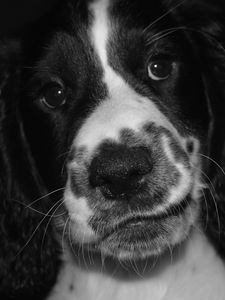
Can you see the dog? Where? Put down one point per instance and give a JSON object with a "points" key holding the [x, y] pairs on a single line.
{"points": [[121, 109]]}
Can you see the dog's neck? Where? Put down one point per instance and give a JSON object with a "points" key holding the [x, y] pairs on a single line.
{"points": [[193, 271]]}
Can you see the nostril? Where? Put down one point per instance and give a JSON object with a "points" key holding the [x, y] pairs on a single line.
{"points": [[190, 146], [119, 170], [97, 181]]}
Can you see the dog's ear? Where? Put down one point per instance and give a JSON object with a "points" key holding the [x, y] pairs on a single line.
{"points": [[215, 90], [206, 24], [214, 79], [28, 252]]}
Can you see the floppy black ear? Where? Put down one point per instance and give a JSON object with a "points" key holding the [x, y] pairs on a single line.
{"points": [[28, 252], [205, 21], [215, 194]]}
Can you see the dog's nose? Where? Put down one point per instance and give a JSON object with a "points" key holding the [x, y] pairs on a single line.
{"points": [[119, 171]]}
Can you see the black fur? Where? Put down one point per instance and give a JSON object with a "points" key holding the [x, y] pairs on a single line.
{"points": [[30, 165], [28, 260]]}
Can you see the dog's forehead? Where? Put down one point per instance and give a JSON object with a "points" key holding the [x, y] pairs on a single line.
{"points": [[123, 106]]}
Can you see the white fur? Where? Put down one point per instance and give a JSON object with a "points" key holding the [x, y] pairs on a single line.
{"points": [[178, 192], [79, 213], [197, 274]]}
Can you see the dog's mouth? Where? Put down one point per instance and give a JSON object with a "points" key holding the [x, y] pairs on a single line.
{"points": [[143, 235], [143, 221]]}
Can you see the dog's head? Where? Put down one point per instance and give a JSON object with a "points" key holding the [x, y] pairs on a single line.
{"points": [[118, 90]]}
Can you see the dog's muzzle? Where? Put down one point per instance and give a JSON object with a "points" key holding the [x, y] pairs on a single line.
{"points": [[131, 196]]}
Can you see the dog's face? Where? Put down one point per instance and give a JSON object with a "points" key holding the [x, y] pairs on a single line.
{"points": [[121, 86]]}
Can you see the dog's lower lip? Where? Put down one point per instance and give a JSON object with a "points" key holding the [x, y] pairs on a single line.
{"points": [[135, 221], [129, 225], [142, 221]]}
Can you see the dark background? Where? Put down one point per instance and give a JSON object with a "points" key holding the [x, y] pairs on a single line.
{"points": [[16, 14]]}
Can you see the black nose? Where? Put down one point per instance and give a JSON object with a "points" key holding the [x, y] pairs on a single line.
{"points": [[119, 170]]}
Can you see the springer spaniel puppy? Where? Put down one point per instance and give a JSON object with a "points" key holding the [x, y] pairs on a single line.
{"points": [[118, 110]]}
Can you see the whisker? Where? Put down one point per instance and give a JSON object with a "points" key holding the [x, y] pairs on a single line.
{"points": [[213, 197], [207, 209], [145, 266], [83, 253], [53, 192], [135, 268], [33, 233], [186, 28], [102, 261], [194, 224], [88, 253], [38, 211], [162, 36], [51, 217], [172, 9], [203, 193], [138, 271], [64, 153], [163, 33], [71, 243], [212, 160], [64, 232], [217, 211], [63, 167], [123, 265], [170, 251]]}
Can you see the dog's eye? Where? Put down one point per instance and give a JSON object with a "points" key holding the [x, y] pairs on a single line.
{"points": [[53, 96], [160, 69]]}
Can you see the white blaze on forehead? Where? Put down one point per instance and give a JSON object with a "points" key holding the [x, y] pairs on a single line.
{"points": [[99, 31], [123, 106]]}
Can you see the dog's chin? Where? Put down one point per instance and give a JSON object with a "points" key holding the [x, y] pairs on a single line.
{"points": [[133, 242], [143, 240], [144, 237]]}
